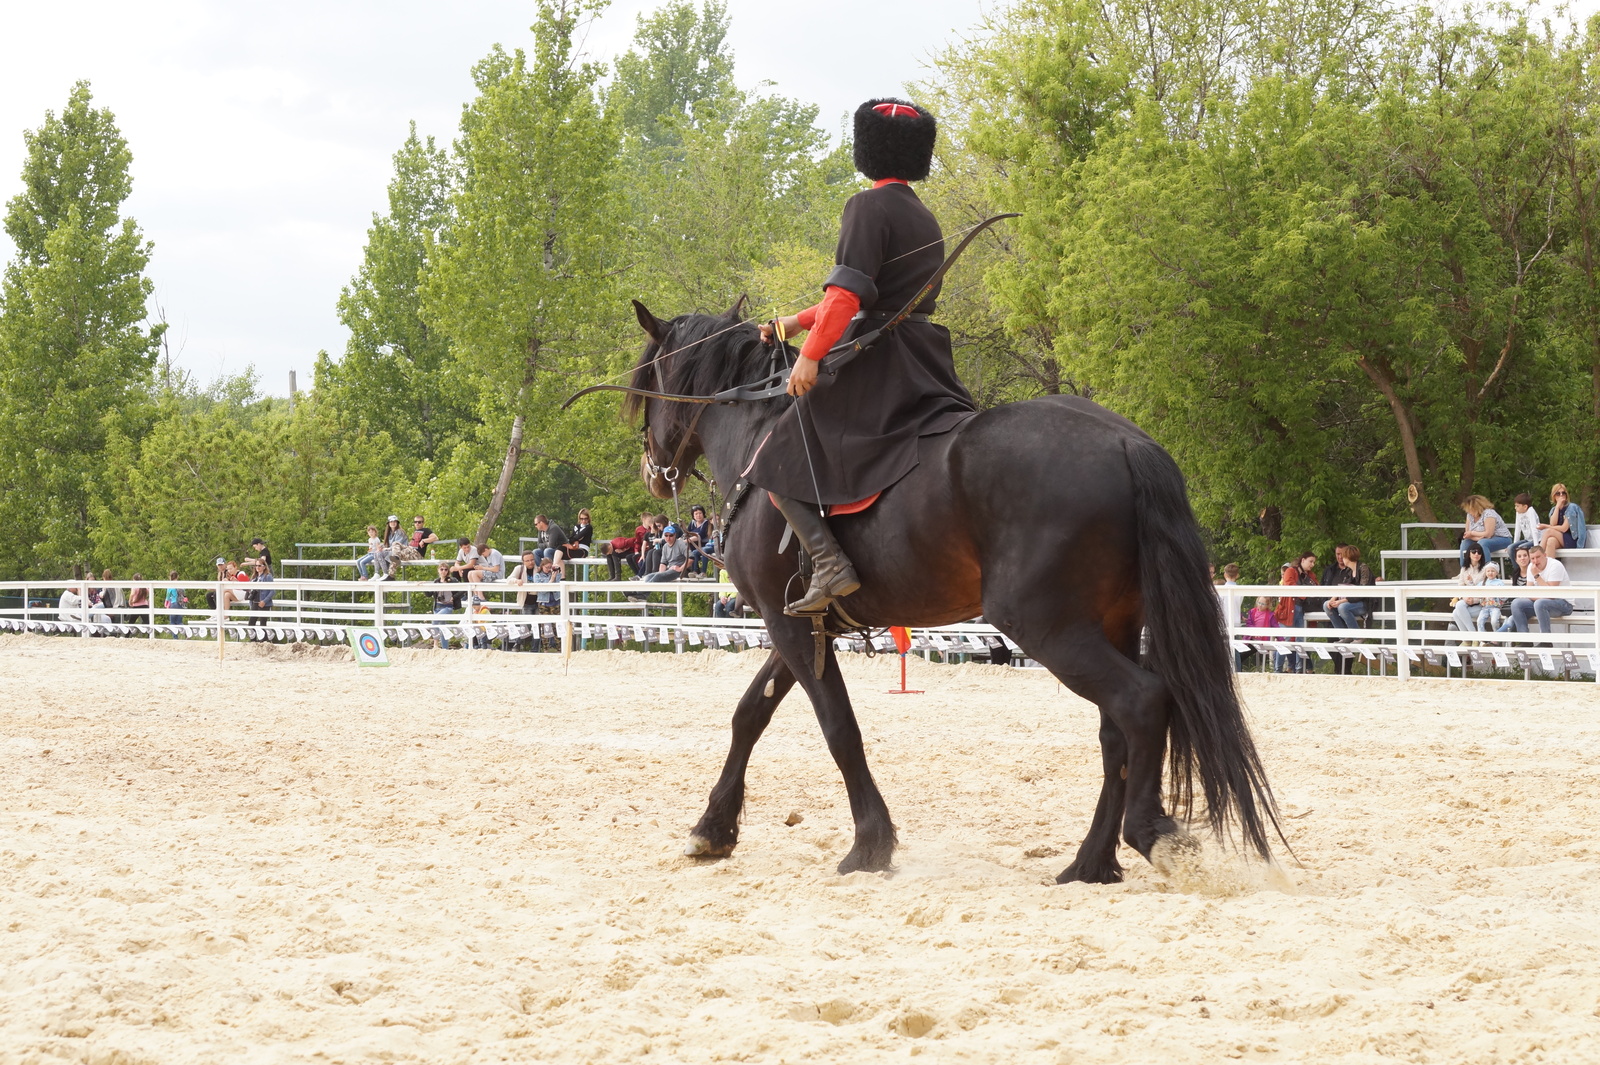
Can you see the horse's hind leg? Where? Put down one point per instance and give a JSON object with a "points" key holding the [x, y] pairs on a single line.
{"points": [[718, 830], [1132, 701], [1096, 862]]}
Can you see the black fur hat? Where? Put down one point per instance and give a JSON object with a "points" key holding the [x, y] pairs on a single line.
{"points": [[894, 139]]}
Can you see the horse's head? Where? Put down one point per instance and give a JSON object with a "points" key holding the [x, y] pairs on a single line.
{"points": [[690, 355]]}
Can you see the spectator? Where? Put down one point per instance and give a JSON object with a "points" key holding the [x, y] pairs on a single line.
{"points": [[727, 604], [1543, 572], [138, 600], [522, 576], [259, 546], [581, 537], [1232, 608], [1566, 527], [1292, 610], [650, 552], [374, 548], [230, 571], [174, 600], [1525, 532], [1484, 526], [1489, 617], [69, 606], [466, 558], [110, 600], [1465, 609], [1263, 615], [674, 557], [549, 603], [261, 598], [395, 540], [700, 539], [491, 564], [445, 600], [416, 545], [620, 549], [552, 539], [1342, 611]]}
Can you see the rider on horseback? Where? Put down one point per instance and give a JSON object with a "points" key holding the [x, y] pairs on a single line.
{"points": [[858, 432]]}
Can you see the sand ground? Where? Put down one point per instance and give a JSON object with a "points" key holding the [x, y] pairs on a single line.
{"points": [[472, 859]]}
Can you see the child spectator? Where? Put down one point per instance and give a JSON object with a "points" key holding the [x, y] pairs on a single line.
{"points": [[174, 600], [1489, 618], [374, 546], [1263, 615], [1525, 533], [466, 558]]}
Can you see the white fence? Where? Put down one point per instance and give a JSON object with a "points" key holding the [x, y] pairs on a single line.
{"points": [[1410, 633]]}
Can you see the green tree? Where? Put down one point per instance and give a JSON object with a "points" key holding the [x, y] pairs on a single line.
{"points": [[679, 65], [75, 359], [524, 287], [218, 468], [397, 375]]}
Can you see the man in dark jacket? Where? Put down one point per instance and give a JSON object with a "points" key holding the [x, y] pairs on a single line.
{"points": [[852, 433]]}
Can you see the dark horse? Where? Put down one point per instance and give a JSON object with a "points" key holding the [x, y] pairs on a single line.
{"points": [[1006, 516]]}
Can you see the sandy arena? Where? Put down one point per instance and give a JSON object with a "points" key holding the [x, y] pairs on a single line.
{"points": [[473, 859]]}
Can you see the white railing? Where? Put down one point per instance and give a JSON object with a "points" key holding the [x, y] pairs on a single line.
{"points": [[1411, 631]]}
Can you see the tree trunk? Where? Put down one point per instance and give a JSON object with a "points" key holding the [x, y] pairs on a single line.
{"points": [[1378, 372], [508, 469]]}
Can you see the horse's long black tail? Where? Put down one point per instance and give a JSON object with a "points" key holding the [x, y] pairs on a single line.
{"points": [[1188, 649]]}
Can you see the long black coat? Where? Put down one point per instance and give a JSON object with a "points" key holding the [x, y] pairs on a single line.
{"points": [[862, 424]]}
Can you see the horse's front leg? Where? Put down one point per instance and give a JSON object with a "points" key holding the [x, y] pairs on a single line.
{"points": [[718, 831], [875, 833]]}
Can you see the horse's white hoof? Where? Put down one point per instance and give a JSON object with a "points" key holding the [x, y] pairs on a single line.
{"points": [[697, 847]]}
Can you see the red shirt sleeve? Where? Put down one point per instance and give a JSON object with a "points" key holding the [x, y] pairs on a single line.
{"points": [[838, 306], [808, 317]]}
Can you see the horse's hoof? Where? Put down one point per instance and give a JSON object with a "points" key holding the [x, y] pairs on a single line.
{"points": [[865, 860], [1086, 872], [700, 847]]}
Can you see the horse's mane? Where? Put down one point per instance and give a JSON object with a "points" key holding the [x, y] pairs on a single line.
{"points": [[699, 355]]}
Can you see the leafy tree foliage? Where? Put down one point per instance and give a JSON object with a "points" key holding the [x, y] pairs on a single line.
{"points": [[75, 359], [397, 375]]}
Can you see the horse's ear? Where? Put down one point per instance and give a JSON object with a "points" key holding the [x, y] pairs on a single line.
{"points": [[648, 322], [736, 312]]}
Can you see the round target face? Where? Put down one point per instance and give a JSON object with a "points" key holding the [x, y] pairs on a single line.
{"points": [[369, 645]]}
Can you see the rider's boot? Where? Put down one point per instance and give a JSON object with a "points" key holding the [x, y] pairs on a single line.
{"points": [[832, 575]]}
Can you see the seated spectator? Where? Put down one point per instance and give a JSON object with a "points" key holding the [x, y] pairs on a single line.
{"points": [[552, 539], [174, 600], [727, 604], [650, 552], [674, 557], [702, 544], [1543, 572], [549, 603], [1489, 618], [1566, 526], [489, 566], [395, 540], [1467, 608], [522, 576], [1342, 611], [620, 549], [445, 601], [230, 571], [466, 558], [69, 606], [414, 548], [1484, 527], [581, 538], [261, 598], [374, 548], [1525, 530]]}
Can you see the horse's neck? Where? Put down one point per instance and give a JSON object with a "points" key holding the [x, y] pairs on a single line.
{"points": [[729, 436]]}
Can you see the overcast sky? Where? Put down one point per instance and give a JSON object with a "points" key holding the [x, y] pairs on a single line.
{"points": [[262, 134]]}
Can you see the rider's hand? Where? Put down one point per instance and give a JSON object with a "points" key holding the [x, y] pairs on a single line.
{"points": [[791, 327], [802, 377]]}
